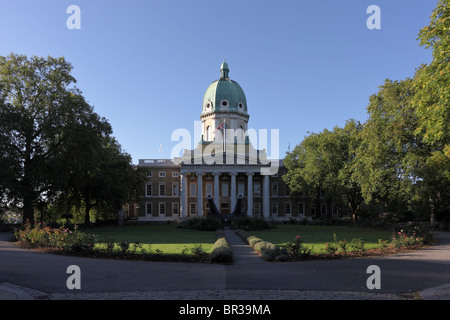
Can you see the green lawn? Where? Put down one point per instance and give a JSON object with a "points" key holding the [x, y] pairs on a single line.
{"points": [[172, 240], [319, 236], [167, 238]]}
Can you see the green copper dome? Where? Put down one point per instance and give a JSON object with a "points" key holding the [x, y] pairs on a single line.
{"points": [[224, 94]]}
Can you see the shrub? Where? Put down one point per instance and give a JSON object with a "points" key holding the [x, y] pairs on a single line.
{"points": [[268, 250], [342, 245], [198, 253], [203, 224], [330, 249], [383, 244], [250, 224], [357, 244], [41, 236], [252, 241], [221, 252], [297, 250]]}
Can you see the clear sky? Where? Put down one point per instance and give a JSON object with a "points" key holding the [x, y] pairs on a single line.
{"points": [[145, 65]]}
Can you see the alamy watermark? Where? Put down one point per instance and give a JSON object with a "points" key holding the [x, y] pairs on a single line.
{"points": [[74, 280], [374, 21], [374, 281], [74, 20], [229, 146]]}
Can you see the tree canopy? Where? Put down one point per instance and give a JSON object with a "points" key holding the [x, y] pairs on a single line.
{"points": [[52, 143], [398, 160]]}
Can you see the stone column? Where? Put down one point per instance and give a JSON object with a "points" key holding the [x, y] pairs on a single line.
{"points": [[183, 195], [250, 195], [266, 197], [199, 195], [233, 191], [216, 189]]}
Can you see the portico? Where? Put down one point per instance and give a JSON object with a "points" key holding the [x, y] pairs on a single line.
{"points": [[226, 184]]}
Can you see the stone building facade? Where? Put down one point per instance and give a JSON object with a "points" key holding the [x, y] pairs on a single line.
{"points": [[224, 167]]}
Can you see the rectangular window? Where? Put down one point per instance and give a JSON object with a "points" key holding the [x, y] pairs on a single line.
{"points": [[175, 208], [301, 208], [162, 174], [193, 208], [162, 189], [257, 208], [257, 190], [208, 188], [148, 208], [175, 190], [148, 191], [193, 188], [175, 174], [274, 190], [225, 190], [149, 174], [334, 210], [274, 208], [287, 207], [162, 208], [241, 188], [323, 210]]}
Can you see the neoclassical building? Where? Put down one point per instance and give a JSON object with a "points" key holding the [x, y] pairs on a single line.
{"points": [[224, 173]]}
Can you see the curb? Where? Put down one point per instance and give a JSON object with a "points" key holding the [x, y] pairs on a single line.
{"points": [[437, 293], [11, 292]]}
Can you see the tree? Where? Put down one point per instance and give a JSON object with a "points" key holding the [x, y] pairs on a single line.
{"points": [[390, 153], [322, 164], [432, 101], [101, 176], [38, 108], [52, 142], [432, 82]]}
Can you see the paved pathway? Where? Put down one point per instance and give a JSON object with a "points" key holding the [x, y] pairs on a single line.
{"points": [[28, 275]]}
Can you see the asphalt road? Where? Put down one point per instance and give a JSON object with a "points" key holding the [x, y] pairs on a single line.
{"points": [[402, 273]]}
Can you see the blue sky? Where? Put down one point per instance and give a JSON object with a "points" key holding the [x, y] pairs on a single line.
{"points": [[145, 65]]}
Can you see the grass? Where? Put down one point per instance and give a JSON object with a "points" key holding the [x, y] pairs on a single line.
{"points": [[167, 238], [172, 240], [318, 236]]}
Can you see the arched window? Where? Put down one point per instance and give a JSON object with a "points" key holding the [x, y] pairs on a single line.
{"points": [[208, 133], [241, 133]]}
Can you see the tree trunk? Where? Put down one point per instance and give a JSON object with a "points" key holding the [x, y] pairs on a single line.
{"points": [[28, 211], [87, 210]]}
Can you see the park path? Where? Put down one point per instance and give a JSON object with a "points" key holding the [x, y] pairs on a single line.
{"points": [[43, 276], [242, 252]]}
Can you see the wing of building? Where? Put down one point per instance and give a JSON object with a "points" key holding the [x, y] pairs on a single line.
{"points": [[225, 174]]}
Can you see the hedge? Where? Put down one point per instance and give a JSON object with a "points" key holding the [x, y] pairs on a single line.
{"points": [[221, 252]]}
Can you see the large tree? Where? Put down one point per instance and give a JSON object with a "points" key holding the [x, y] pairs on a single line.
{"points": [[322, 165], [391, 154], [432, 107], [52, 142], [38, 108]]}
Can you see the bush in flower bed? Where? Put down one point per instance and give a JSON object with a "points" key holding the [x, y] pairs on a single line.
{"points": [[251, 224], [221, 252], [42, 236], [267, 250], [410, 237], [202, 224], [297, 250]]}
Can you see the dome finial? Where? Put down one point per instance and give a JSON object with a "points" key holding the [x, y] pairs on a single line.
{"points": [[224, 70]]}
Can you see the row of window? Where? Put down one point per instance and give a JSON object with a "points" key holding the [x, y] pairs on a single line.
{"points": [[225, 191], [162, 174], [193, 208]]}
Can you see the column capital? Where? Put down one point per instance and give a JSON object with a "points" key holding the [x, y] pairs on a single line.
{"points": [[233, 173], [199, 174], [250, 173]]}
